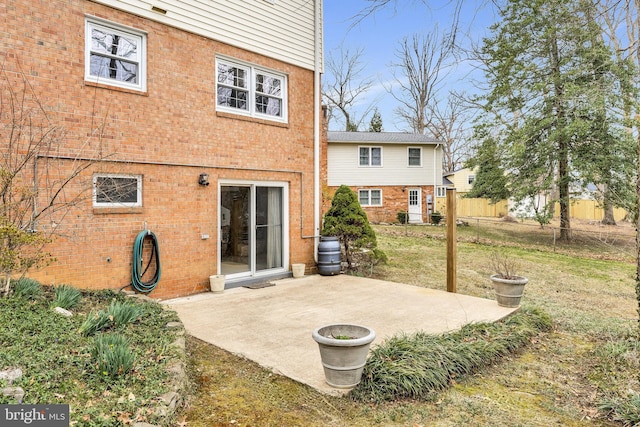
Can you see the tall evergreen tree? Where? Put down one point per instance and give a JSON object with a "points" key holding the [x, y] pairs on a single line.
{"points": [[490, 179], [376, 122], [546, 64]]}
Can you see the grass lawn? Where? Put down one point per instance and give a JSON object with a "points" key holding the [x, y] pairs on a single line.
{"points": [[568, 376]]}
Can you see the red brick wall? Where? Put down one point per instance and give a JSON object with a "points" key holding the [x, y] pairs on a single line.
{"points": [[394, 200], [170, 135]]}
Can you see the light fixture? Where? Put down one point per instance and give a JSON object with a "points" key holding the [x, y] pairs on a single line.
{"points": [[203, 179]]}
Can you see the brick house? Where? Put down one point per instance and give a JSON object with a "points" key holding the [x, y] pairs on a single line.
{"points": [[389, 171], [198, 121]]}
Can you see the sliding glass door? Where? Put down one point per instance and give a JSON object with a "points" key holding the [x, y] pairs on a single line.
{"points": [[252, 229]]}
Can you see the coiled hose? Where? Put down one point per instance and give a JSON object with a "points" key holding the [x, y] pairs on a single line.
{"points": [[136, 269]]}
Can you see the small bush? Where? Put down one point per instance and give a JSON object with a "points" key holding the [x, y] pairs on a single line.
{"points": [[112, 355], [347, 220], [402, 217], [27, 288], [67, 297], [436, 217]]}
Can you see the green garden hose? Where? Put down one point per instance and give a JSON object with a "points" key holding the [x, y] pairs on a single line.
{"points": [[136, 269]]}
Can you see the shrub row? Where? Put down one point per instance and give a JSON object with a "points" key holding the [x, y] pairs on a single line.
{"points": [[420, 365]]}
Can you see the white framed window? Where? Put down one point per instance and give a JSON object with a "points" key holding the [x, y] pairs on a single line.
{"points": [[249, 90], [441, 191], [470, 179], [414, 156], [370, 156], [370, 197], [113, 190], [115, 55]]}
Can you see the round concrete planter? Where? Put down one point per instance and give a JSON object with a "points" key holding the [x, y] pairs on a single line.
{"points": [[343, 350], [508, 291]]}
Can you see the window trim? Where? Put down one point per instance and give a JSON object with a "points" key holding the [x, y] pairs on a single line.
{"points": [[370, 157], [141, 36], [471, 179], [94, 196], [441, 191], [409, 157], [253, 70], [369, 190]]}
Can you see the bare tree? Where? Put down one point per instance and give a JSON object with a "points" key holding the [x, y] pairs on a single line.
{"points": [[344, 86], [422, 60], [449, 124], [36, 193]]}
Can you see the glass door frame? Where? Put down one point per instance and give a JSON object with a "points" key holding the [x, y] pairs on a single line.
{"points": [[252, 185]]}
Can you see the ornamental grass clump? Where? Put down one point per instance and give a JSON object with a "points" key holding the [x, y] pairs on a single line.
{"points": [[124, 313], [112, 355], [420, 365], [27, 288], [117, 315], [66, 297]]}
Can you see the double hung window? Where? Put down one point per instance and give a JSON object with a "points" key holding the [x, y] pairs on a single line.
{"points": [[115, 55], [414, 156], [249, 90], [370, 197], [370, 156]]}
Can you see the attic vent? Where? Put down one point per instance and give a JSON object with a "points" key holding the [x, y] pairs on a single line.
{"points": [[159, 10]]}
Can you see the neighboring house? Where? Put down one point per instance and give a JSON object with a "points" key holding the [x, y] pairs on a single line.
{"points": [[390, 172], [206, 112], [462, 180]]}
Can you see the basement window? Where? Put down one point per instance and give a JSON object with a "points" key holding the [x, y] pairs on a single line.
{"points": [[117, 190]]}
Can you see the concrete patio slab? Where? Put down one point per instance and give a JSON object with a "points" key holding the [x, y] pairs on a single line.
{"points": [[272, 326]]}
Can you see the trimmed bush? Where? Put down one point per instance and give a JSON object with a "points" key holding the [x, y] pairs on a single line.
{"points": [[347, 220]]}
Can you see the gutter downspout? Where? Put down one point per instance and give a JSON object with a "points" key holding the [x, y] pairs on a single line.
{"points": [[316, 126]]}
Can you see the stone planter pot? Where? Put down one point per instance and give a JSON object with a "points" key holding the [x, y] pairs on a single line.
{"points": [[508, 291], [216, 283], [297, 270], [343, 351]]}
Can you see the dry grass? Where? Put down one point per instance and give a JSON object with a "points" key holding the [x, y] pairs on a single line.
{"points": [[560, 379]]}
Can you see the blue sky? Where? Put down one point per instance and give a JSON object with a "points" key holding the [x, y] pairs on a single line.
{"points": [[380, 34]]}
